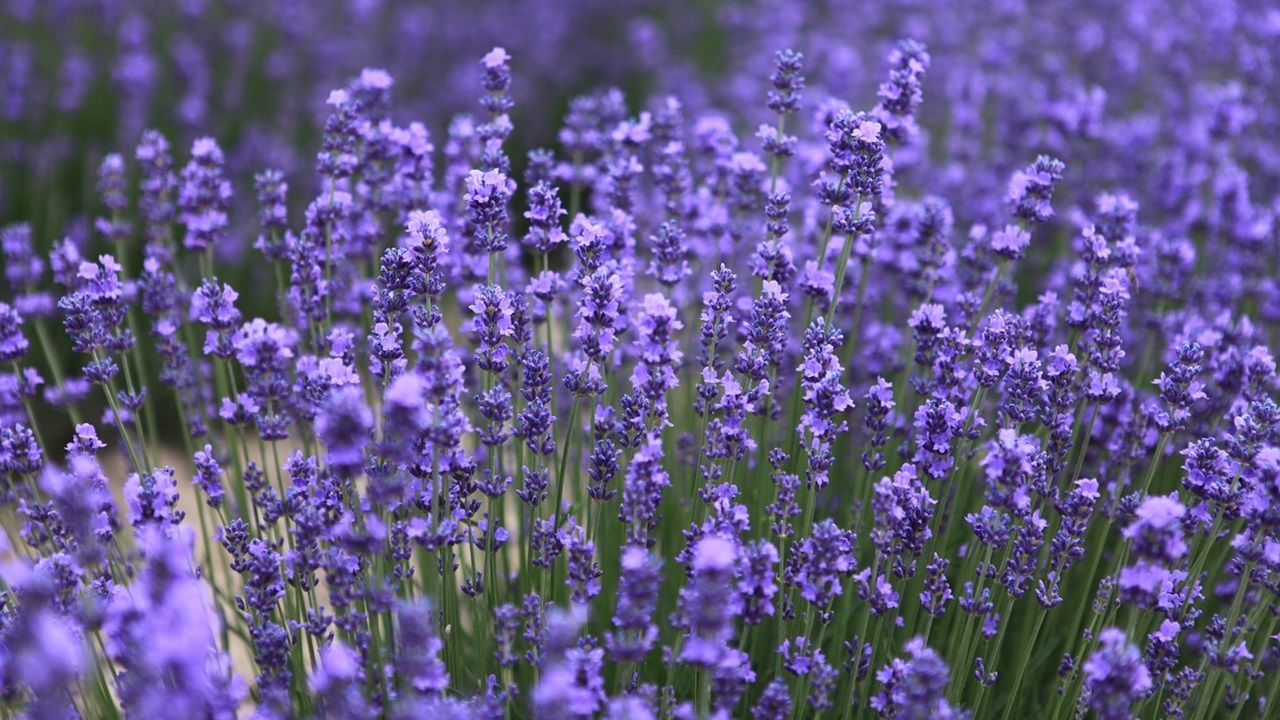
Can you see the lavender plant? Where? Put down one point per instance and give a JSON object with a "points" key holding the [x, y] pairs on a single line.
{"points": [[663, 421]]}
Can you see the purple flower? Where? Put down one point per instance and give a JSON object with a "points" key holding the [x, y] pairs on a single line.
{"points": [[337, 682], [418, 648], [487, 196], [774, 703], [1179, 388], [273, 213], [825, 400], [1031, 190], [915, 688], [161, 635], [112, 189], [156, 204], [639, 582], [1010, 242], [203, 197], [822, 560], [584, 572], [902, 508], [756, 583], [571, 684], [544, 215], [708, 604], [787, 82], [937, 424], [657, 330], [153, 500], [343, 424], [214, 306], [1115, 676], [598, 314], [1013, 466], [857, 154], [646, 481], [669, 264], [208, 476], [13, 344], [45, 652], [1156, 531], [901, 94]]}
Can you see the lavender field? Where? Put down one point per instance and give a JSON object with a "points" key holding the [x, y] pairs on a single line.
{"points": [[758, 359]]}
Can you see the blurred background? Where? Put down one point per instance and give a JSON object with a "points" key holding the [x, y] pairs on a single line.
{"points": [[1081, 80]]}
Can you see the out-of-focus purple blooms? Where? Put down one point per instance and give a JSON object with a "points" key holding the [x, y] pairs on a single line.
{"points": [[669, 265], [709, 603], [1010, 242], [637, 598], [24, 269], [161, 635], [344, 423], [1156, 531], [774, 703], [112, 189], [915, 688], [496, 82], [1115, 676], [158, 183], [337, 682], [44, 649], [756, 582], [417, 651], [570, 685], [273, 213]]}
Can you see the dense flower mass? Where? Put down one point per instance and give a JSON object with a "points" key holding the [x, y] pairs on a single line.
{"points": [[861, 378]]}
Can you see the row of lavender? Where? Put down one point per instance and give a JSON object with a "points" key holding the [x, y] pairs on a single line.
{"points": [[714, 427]]}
